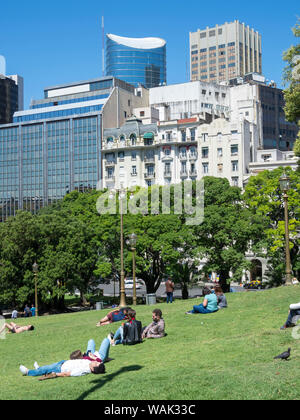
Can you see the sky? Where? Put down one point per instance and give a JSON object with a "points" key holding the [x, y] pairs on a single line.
{"points": [[60, 41]]}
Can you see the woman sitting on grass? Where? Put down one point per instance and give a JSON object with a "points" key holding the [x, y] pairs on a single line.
{"points": [[222, 301], [209, 305]]}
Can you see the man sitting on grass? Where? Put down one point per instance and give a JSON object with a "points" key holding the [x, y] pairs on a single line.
{"points": [[92, 363], [157, 328]]}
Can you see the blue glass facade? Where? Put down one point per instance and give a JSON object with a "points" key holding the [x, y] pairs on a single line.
{"points": [[57, 114], [41, 162], [136, 65]]}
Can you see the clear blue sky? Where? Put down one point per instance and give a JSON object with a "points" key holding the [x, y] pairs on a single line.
{"points": [[60, 41]]}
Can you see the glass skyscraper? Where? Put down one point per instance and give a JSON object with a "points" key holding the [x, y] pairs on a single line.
{"points": [[136, 60]]}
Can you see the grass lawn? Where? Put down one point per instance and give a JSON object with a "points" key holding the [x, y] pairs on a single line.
{"points": [[226, 355]]}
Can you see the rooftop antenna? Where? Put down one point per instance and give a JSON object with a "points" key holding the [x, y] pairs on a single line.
{"points": [[103, 46]]}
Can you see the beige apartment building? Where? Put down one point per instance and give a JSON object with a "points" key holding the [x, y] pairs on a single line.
{"points": [[224, 52]]}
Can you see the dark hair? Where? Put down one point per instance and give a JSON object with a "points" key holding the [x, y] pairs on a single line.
{"points": [[77, 354], [131, 314], [218, 289], [31, 328], [206, 291], [126, 309], [157, 312], [99, 369]]}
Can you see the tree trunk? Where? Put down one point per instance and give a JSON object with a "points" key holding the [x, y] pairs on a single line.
{"points": [[224, 276], [184, 291]]}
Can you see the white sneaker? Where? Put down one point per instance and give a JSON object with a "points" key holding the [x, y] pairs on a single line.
{"points": [[24, 370], [36, 366]]}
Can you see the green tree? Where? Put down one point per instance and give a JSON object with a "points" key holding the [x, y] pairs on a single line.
{"points": [[264, 198], [19, 248], [292, 79], [228, 231]]}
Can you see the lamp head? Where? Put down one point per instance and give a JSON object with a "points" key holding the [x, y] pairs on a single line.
{"points": [[35, 267], [284, 182]]}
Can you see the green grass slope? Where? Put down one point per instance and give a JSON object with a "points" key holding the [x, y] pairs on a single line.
{"points": [[226, 355]]}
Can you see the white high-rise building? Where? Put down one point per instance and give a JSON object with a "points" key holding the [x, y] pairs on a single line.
{"points": [[224, 52]]}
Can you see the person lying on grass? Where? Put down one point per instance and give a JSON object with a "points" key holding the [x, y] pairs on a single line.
{"points": [[157, 328], [129, 333], [209, 305], [294, 311], [16, 329], [92, 363], [114, 316]]}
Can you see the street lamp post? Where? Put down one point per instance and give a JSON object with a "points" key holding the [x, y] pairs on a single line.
{"points": [[122, 194], [132, 242], [285, 186], [35, 268]]}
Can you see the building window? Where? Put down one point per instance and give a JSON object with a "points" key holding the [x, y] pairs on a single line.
{"points": [[234, 165], [203, 35], [133, 170], [205, 168], [133, 155], [220, 152], [234, 150], [204, 152], [235, 181], [220, 168], [183, 135], [133, 139], [142, 113]]}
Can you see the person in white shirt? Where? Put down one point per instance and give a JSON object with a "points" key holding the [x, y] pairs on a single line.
{"points": [[77, 367], [294, 310]]}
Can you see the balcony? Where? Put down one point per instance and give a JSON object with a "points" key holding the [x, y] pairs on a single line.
{"points": [[183, 173], [109, 178], [167, 174], [166, 158], [193, 156], [182, 156], [110, 163], [149, 175], [149, 159], [192, 172]]}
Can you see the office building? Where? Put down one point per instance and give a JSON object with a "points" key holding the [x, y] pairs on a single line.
{"points": [[55, 146], [8, 99], [138, 61], [224, 52], [20, 83]]}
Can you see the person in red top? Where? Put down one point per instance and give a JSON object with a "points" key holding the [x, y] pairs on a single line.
{"points": [[114, 316], [169, 290]]}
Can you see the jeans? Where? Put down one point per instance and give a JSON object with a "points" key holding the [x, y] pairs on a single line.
{"points": [[118, 337], [44, 370], [292, 313], [200, 309], [103, 351], [169, 297]]}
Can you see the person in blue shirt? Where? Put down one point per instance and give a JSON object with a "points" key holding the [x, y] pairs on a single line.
{"points": [[32, 309], [209, 305]]}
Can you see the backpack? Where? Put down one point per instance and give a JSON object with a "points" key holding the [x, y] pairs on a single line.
{"points": [[132, 333]]}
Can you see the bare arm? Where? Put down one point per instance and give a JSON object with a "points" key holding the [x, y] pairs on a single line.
{"points": [[63, 374]]}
